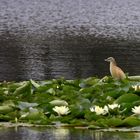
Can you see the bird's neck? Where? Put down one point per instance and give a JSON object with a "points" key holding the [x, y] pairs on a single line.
{"points": [[112, 67], [113, 63]]}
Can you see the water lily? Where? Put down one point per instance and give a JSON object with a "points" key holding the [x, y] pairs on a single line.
{"points": [[113, 106], [105, 109], [99, 110], [136, 110], [61, 110], [136, 87]]}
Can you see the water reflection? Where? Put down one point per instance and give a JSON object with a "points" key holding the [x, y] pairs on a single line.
{"points": [[70, 57], [23, 133], [62, 134]]}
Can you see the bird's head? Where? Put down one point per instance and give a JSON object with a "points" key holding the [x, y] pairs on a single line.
{"points": [[110, 59]]}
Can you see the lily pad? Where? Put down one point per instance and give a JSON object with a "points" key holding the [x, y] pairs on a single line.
{"points": [[127, 98], [33, 115], [131, 121], [25, 88], [113, 122], [5, 109], [59, 103], [24, 105]]}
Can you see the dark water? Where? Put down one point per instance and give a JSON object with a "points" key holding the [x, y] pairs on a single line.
{"points": [[45, 39], [70, 57], [23, 133]]}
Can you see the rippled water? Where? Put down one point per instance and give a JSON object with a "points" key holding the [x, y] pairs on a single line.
{"points": [[70, 57], [50, 39], [23, 133]]}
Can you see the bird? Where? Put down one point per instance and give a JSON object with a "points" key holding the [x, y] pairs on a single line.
{"points": [[116, 72]]}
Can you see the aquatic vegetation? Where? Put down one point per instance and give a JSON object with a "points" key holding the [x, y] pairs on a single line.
{"points": [[136, 87], [90, 102], [61, 110], [113, 106], [99, 110], [136, 110]]}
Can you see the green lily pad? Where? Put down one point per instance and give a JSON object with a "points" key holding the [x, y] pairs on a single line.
{"points": [[33, 114], [127, 98], [90, 116], [131, 121], [25, 88], [113, 122], [4, 117], [5, 109], [36, 85], [59, 103]]}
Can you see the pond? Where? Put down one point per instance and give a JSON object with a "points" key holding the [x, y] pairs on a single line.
{"points": [[42, 40], [26, 133]]}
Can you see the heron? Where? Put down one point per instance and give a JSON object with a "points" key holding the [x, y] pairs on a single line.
{"points": [[116, 72]]}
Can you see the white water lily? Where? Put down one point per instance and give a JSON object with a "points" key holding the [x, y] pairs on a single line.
{"points": [[136, 87], [105, 109], [113, 106], [99, 110], [61, 110], [136, 110]]}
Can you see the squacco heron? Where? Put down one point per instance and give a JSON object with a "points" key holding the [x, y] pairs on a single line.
{"points": [[116, 72]]}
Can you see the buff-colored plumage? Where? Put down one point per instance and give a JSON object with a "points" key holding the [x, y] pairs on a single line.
{"points": [[115, 71]]}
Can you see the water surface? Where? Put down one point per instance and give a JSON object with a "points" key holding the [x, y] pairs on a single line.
{"points": [[45, 39], [23, 133]]}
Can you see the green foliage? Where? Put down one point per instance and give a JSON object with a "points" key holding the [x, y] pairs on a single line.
{"points": [[127, 98], [113, 122], [5, 109], [58, 103], [131, 121], [33, 102]]}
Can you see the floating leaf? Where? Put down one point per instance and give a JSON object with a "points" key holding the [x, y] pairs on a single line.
{"points": [[127, 98], [131, 121], [26, 87], [4, 117], [33, 115], [24, 105], [113, 122], [59, 103], [5, 109], [51, 91], [36, 85], [90, 116], [8, 103]]}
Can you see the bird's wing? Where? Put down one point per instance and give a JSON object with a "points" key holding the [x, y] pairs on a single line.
{"points": [[119, 73]]}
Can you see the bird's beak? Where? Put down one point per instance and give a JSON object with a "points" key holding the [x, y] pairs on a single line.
{"points": [[106, 60]]}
